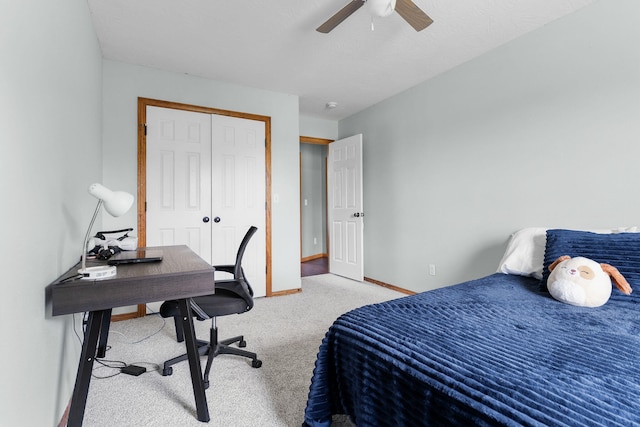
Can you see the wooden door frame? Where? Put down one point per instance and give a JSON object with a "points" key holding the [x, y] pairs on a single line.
{"points": [[143, 103], [317, 141]]}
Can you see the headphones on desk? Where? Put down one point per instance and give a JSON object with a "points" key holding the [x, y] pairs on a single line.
{"points": [[105, 253], [104, 248]]}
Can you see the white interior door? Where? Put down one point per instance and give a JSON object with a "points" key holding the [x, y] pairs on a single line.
{"points": [[206, 185], [239, 195], [345, 208], [179, 179]]}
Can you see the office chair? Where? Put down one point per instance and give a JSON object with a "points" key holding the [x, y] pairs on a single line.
{"points": [[231, 296]]}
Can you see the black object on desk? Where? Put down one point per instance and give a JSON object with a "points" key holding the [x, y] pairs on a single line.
{"points": [[181, 274], [139, 255]]}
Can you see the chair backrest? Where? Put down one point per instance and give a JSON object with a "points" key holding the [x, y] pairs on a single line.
{"points": [[237, 269], [239, 284]]}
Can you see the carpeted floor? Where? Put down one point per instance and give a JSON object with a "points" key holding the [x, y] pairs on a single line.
{"points": [[285, 332]]}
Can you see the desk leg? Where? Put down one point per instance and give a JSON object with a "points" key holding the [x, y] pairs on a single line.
{"points": [[85, 365], [104, 334], [194, 361]]}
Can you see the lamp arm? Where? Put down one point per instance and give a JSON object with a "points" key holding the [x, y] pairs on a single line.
{"points": [[86, 237]]}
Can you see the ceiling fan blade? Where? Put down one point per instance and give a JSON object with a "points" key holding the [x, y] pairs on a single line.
{"points": [[343, 14], [413, 14]]}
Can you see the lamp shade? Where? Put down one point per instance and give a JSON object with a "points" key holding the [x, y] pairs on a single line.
{"points": [[381, 8], [115, 202]]}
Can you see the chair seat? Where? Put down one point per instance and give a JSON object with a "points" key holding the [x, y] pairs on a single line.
{"points": [[222, 303]]}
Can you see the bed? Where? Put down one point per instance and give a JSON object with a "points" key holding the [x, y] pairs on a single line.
{"points": [[498, 350]]}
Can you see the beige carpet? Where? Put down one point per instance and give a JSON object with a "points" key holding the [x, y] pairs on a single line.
{"points": [[285, 332]]}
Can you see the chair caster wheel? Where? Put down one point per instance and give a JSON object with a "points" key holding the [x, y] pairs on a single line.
{"points": [[256, 363], [167, 371], [242, 343]]}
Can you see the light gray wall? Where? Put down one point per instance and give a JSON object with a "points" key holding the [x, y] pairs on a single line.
{"points": [[314, 199], [318, 128], [540, 132], [50, 105], [124, 83]]}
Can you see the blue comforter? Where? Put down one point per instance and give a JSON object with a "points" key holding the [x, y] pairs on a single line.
{"points": [[492, 351]]}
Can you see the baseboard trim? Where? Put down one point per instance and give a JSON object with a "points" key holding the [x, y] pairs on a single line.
{"points": [[388, 286], [124, 316], [312, 257], [287, 292]]}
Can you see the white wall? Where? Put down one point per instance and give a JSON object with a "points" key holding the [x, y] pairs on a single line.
{"points": [[124, 83], [540, 132], [50, 108]]}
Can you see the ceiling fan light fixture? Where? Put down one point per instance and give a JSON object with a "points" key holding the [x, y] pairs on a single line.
{"points": [[407, 10], [381, 8]]}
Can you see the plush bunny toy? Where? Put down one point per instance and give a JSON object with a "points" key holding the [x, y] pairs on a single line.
{"points": [[583, 282]]}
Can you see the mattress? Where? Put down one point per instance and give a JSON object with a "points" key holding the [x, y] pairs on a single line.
{"points": [[496, 351]]}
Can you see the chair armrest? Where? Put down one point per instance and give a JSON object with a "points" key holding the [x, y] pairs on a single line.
{"points": [[238, 287], [199, 312], [225, 268]]}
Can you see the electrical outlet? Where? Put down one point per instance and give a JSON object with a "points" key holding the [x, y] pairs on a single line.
{"points": [[315, 240], [432, 269]]}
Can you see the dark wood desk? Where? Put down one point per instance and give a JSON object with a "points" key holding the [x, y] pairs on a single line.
{"points": [[179, 276]]}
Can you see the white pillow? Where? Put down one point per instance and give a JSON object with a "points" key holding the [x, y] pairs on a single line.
{"points": [[525, 252]]}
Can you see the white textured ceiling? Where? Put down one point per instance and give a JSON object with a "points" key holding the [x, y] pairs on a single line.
{"points": [[273, 45]]}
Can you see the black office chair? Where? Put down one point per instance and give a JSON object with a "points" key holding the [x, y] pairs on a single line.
{"points": [[231, 296]]}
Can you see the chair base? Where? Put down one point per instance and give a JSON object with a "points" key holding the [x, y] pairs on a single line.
{"points": [[212, 351]]}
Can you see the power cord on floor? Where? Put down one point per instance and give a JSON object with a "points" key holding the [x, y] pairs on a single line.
{"points": [[164, 322], [117, 366]]}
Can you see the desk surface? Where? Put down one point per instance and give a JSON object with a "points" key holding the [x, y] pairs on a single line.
{"points": [[180, 274]]}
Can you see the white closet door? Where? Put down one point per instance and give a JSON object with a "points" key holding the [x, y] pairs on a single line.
{"points": [[206, 183], [239, 198], [179, 179]]}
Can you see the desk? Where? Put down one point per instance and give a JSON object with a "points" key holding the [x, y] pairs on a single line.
{"points": [[179, 276]]}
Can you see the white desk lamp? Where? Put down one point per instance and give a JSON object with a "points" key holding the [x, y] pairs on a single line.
{"points": [[116, 203]]}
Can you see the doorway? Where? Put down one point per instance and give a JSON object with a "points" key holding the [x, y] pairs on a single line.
{"points": [[313, 206]]}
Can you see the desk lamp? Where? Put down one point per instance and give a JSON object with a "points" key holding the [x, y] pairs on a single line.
{"points": [[116, 203]]}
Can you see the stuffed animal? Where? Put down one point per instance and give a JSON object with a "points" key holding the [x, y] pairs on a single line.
{"points": [[583, 282]]}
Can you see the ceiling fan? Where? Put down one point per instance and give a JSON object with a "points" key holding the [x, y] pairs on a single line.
{"points": [[407, 9]]}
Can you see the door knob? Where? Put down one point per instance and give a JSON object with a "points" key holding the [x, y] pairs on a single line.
{"points": [[358, 214], [216, 219], [205, 219]]}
